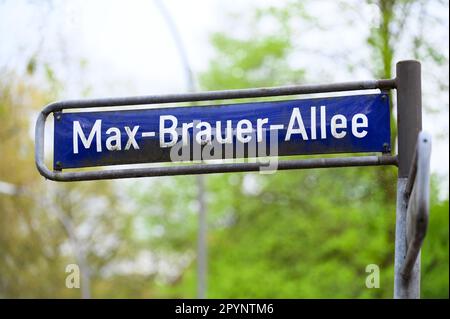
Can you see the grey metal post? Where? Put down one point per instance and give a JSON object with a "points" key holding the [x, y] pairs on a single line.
{"points": [[409, 124]]}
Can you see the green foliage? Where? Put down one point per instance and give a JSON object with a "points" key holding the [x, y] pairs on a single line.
{"points": [[293, 241], [435, 264], [167, 220], [259, 59], [250, 63]]}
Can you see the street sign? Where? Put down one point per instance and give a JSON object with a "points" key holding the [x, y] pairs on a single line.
{"points": [[345, 124]]}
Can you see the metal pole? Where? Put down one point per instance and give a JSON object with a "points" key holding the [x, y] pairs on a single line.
{"points": [[200, 179], [409, 122]]}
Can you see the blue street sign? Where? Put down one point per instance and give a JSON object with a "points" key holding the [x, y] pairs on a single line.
{"points": [[346, 124]]}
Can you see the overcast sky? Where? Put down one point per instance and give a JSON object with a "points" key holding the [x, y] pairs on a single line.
{"points": [[122, 48]]}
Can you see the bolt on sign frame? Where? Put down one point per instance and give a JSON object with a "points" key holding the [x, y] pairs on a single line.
{"points": [[413, 159]]}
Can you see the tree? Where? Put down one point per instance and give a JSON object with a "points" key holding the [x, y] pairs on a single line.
{"points": [[46, 226]]}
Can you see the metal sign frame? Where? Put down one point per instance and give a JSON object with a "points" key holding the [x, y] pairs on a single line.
{"points": [[56, 107], [412, 161]]}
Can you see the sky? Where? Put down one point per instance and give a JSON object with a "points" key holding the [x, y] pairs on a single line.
{"points": [[124, 48], [120, 48]]}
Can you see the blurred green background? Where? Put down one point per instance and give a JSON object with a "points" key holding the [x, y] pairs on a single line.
{"points": [[292, 234]]}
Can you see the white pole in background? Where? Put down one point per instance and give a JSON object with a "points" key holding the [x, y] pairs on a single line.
{"points": [[200, 179]]}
